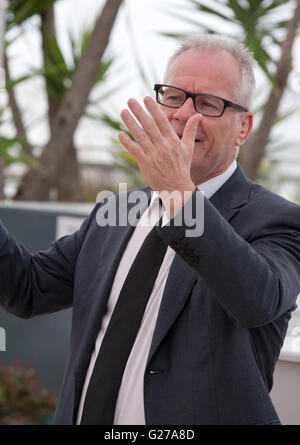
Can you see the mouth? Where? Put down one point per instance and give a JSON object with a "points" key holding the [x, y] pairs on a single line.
{"points": [[196, 140]]}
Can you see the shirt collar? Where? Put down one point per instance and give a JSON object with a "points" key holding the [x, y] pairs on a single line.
{"points": [[210, 187]]}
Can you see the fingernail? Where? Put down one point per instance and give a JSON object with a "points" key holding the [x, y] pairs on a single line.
{"points": [[131, 102]]}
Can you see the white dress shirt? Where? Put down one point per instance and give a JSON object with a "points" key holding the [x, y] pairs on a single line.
{"points": [[130, 403]]}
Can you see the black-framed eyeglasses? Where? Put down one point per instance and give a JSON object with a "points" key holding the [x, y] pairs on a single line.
{"points": [[206, 104]]}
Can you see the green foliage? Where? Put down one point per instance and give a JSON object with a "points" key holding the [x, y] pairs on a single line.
{"points": [[7, 144], [57, 72], [123, 158], [21, 10], [259, 23], [22, 400], [115, 124]]}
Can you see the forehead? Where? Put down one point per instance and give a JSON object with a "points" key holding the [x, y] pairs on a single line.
{"points": [[208, 71]]}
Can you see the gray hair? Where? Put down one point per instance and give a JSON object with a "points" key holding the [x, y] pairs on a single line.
{"points": [[243, 56]]}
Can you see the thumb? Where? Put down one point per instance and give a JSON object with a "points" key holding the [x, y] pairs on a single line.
{"points": [[190, 131]]}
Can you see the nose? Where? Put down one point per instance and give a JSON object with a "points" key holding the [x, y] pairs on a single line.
{"points": [[186, 111]]}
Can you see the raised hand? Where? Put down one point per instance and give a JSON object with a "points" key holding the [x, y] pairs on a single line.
{"points": [[163, 158]]}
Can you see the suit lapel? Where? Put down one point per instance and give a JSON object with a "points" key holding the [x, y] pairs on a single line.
{"points": [[233, 195], [182, 277], [175, 295]]}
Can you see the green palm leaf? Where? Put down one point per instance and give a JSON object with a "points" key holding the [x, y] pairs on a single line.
{"points": [[21, 10]]}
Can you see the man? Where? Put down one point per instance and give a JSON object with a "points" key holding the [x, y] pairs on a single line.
{"points": [[211, 332]]}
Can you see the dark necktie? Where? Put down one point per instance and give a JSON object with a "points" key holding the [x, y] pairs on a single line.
{"points": [[103, 389]]}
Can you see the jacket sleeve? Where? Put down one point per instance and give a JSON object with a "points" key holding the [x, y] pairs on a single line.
{"points": [[256, 280], [42, 282]]}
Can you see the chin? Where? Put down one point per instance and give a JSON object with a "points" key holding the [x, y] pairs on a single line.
{"points": [[198, 174]]}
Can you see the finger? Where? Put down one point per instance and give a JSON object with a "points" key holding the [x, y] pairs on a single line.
{"points": [[146, 121], [135, 129], [160, 118], [133, 148], [190, 131]]}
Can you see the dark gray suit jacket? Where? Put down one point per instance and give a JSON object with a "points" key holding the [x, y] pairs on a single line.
{"points": [[223, 316]]}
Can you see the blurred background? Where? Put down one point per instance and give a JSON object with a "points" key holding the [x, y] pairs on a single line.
{"points": [[67, 69]]}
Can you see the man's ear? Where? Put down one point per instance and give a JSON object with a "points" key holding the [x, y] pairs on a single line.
{"points": [[245, 123]]}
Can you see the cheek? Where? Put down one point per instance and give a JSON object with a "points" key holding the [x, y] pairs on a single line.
{"points": [[216, 139], [167, 112], [219, 133]]}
